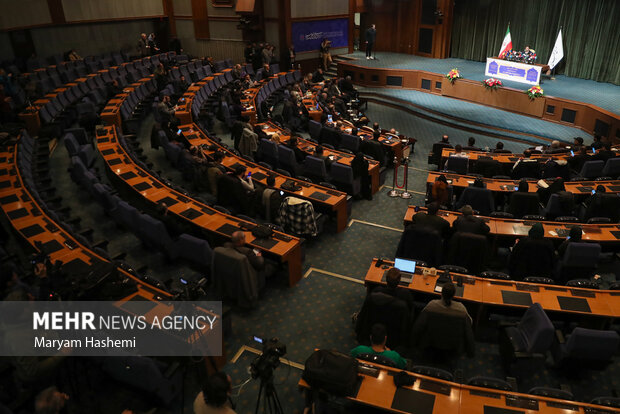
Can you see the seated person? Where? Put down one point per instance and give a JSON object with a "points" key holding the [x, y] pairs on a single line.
{"points": [[499, 149], [319, 153], [556, 148], [446, 304], [581, 156], [604, 153], [393, 289], [526, 166], [236, 190], [471, 145], [214, 170], [300, 155], [577, 144], [271, 200], [215, 396], [439, 191], [237, 242], [468, 223], [574, 236], [378, 339], [532, 255], [597, 143], [432, 220], [318, 77]]}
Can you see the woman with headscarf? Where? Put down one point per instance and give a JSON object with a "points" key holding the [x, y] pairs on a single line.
{"points": [[439, 190]]}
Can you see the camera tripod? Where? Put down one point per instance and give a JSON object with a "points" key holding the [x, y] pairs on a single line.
{"points": [[271, 402]]}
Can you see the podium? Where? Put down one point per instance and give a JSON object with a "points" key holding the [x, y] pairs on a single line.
{"points": [[514, 71]]}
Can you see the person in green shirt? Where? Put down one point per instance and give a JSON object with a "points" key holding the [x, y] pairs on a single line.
{"points": [[378, 338]]}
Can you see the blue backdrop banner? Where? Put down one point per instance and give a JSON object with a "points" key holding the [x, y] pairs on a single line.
{"points": [[307, 36]]}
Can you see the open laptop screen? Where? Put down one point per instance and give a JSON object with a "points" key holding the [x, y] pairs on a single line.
{"points": [[404, 265]]}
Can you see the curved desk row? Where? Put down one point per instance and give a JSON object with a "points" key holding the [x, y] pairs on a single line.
{"points": [[599, 233], [324, 198], [111, 113], [508, 186], [507, 159], [184, 105], [601, 304], [39, 230], [430, 395], [341, 157], [139, 181]]}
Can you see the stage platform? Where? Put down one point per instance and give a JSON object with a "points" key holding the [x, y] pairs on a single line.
{"points": [[604, 95]]}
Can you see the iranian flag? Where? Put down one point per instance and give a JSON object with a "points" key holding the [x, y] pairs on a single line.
{"points": [[506, 44]]}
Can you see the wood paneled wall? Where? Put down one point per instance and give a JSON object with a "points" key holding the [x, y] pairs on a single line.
{"points": [[79, 10], [219, 49], [22, 13], [314, 8]]}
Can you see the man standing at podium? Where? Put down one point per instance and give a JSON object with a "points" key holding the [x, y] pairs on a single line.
{"points": [[371, 35]]}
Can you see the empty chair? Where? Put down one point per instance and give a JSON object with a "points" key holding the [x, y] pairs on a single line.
{"points": [[268, 152], [523, 346], [468, 250], [592, 169], [420, 243], [489, 382], [583, 283], [126, 215], [491, 274], [458, 164], [195, 250], [315, 169], [342, 176], [489, 168], [612, 167], [235, 278], [350, 142], [586, 348], [559, 205], [315, 129], [539, 280], [522, 203], [153, 233], [480, 199], [532, 256], [287, 160], [433, 372], [435, 156], [579, 261], [603, 205]]}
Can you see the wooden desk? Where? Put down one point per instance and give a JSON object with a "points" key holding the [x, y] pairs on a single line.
{"points": [[599, 233], [454, 398], [341, 157], [325, 198], [390, 142], [141, 183], [508, 186], [111, 113], [508, 160], [603, 304], [184, 105]]}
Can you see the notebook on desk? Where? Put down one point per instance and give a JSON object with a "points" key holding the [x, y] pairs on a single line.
{"points": [[407, 270]]}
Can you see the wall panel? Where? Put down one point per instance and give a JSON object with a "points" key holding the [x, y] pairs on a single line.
{"points": [[90, 39], [223, 30], [220, 11], [182, 7], [219, 49], [76, 10], [272, 35], [20, 13], [6, 51], [270, 8], [313, 8]]}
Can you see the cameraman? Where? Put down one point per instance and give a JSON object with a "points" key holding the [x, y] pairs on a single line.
{"points": [[326, 56], [215, 396]]}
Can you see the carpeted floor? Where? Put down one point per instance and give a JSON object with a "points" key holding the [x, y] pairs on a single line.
{"points": [[317, 312]]}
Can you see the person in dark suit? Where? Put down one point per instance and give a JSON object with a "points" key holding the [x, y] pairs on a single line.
{"points": [[371, 36], [432, 220], [533, 255], [597, 143], [392, 278], [471, 145], [360, 169], [300, 156], [271, 200], [499, 149], [468, 223], [374, 148], [576, 162], [237, 242]]}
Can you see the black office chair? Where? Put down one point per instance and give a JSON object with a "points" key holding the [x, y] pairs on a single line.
{"points": [[389, 311], [420, 243], [468, 250], [433, 372], [377, 359], [489, 382]]}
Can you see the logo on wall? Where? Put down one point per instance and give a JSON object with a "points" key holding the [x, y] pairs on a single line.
{"points": [[307, 36]]}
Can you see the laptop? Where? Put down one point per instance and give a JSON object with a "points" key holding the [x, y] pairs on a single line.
{"points": [[407, 269]]}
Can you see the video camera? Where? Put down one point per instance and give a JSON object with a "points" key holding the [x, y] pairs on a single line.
{"points": [[262, 367]]}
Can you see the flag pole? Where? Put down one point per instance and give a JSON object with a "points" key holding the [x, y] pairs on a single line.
{"points": [[553, 70]]}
